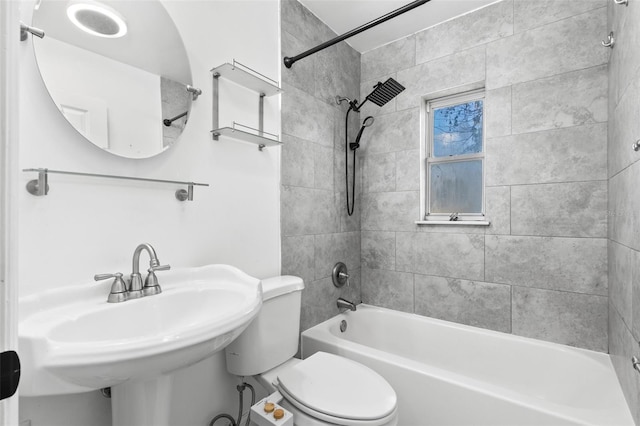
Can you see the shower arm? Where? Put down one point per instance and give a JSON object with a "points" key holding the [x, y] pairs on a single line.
{"points": [[289, 61]]}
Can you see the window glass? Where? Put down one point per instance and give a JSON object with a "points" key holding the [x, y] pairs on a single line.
{"points": [[454, 166], [457, 129], [456, 187]]}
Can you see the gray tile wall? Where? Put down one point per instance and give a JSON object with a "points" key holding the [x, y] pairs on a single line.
{"points": [[316, 231], [624, 199], [540, 269], [560, 261]]}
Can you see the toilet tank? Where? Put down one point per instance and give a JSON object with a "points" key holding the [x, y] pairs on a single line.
{"points": [[272, 337]]}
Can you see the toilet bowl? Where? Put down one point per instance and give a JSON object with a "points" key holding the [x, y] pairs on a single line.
{"points": [[323, 389]]}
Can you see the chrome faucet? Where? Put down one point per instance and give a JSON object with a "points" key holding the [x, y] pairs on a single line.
{"points": [[345, 304], [134, 288], [151, 286]]}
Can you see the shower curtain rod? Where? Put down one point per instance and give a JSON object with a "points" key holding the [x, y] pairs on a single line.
{"points": [[289, 61], [167, 121]]}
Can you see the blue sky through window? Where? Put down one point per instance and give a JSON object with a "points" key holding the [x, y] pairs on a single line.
{"points": [[457, 129]]}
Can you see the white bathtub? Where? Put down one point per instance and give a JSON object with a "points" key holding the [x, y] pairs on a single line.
{"points": [[451, 374]]}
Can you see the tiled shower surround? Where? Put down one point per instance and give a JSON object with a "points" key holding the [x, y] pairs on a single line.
{"points": [[559, 261], [540, 269], [316, 230]]}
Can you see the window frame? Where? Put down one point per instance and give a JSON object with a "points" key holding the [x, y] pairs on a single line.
{"points": [[427, 158]]}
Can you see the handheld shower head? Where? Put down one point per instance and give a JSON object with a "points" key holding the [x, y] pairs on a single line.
{"points": [[365, 123]]}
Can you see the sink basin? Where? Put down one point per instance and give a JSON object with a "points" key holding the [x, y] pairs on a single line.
{"points": [[71, 340]]}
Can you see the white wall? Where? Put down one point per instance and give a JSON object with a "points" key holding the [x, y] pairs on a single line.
{"points": [[87, 226]]}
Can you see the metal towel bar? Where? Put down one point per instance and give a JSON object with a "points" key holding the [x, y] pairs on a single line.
{"points": [[40, 186]]}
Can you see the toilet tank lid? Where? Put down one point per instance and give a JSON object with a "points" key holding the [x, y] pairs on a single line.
{"points": [[277, 286]]}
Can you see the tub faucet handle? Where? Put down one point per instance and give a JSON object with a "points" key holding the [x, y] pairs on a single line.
{"points": [[340, 275]]}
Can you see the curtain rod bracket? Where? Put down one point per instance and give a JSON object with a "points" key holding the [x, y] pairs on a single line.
{"points": [[288, 62]]}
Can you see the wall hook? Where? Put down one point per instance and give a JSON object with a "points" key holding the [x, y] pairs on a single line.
{"points": [[636, 145], [194, 92], [25, 30], [625, 2], [610, 41]]}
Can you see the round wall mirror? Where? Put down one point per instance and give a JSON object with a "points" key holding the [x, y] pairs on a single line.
{"points": [[117, 71]]}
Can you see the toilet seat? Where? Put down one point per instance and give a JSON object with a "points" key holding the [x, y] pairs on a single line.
{"points": [[338, 390]]}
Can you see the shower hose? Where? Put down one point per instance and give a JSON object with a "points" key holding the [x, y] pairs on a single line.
{"points": [[350, 205]]}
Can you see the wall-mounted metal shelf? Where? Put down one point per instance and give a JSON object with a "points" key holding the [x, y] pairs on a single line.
{"points": [[40, 186], [248, 134], [246, 77], [253, 80]]}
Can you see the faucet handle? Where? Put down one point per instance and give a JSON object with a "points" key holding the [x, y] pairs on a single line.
{"points": [[118, 291], [159, 268], [340, 275], [100, 277], [151, 285]]}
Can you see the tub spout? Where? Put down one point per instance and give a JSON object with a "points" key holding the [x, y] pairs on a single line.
{"points": [[345, 304]]}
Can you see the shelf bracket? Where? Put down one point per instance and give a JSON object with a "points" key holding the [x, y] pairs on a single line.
{"points": [[195, 92], [215, 94], [261, 115]]}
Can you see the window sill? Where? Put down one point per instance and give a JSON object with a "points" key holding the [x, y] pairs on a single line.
{"points": [[453, 222]]}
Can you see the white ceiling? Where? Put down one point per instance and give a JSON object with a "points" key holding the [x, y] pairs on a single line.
{"points": [[344, 15]]}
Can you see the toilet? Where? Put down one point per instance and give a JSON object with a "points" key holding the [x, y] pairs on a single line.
{"points": [[324, 389]]}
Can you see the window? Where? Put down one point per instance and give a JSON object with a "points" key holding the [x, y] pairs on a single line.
{"points": [[453, 170]]}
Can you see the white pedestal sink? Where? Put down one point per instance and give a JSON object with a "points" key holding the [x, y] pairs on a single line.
{"points": [[71, 340]]}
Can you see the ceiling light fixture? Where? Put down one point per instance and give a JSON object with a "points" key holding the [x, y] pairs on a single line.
{"points": [[97, 19]]}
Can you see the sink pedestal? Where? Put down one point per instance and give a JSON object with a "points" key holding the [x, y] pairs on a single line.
{"points": [[141, 402]]}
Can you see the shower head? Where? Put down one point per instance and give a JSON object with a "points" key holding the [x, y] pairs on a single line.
{"points": [[384, 92], [365, 123]]}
